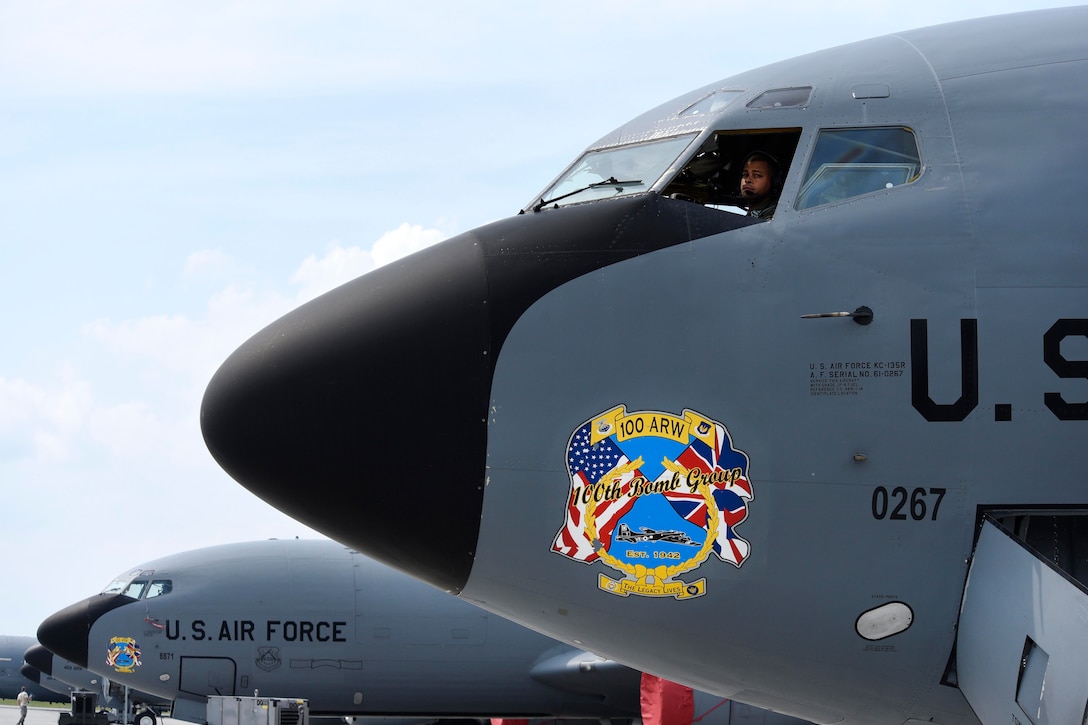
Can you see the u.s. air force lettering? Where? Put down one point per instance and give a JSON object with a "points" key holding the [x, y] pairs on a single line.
{"points": [[652, 494], [269, 630]]}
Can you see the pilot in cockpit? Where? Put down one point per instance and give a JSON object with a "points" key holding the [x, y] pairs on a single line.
{"points": [[760, 184]]}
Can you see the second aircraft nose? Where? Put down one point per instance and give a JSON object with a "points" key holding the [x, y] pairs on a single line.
{"points": [[66, 633], [40, 659]]}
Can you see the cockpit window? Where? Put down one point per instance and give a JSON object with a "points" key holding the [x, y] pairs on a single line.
{"points": [[134, 585], [116, 586], [135, 589], [612, 172], [122, 581], [712, 104], [850, 162], [782, 98], [713, 174], [159, 587]]}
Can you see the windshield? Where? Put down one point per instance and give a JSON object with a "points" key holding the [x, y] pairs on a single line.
{"points": [[134, 585], [613, 172], [120, 583], [126, 585], [116, 586]]}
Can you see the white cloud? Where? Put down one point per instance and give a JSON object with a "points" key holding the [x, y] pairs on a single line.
{"points": [[126, 429], [174, 355], [187, 346], [161, 364], [40, 421], [63, 420], [404, 240], [342, 264], [339, 265], [173, 342], [206, 264]]}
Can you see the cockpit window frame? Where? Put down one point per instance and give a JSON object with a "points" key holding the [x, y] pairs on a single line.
{"points": [[158, 588], [713, 103], [138, 581], [138, 585], [776, 98], [711, 172], [879, 168], [565, 190], [117, 586]]}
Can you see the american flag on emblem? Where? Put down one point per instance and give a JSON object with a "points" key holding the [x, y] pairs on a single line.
{"points": [[587, 464], [728, 498]]}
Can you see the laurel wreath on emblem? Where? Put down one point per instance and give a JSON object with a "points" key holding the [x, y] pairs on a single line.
{"points": [[639, 571]]}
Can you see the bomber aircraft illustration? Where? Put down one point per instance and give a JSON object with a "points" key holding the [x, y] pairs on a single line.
{"points": [[624, 533], [317, 621], [867, 405]]}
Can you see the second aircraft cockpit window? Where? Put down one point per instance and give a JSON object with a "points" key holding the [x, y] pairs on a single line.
{"points": [[159, 588], [120, 584], [139, 588], [135, 589]]}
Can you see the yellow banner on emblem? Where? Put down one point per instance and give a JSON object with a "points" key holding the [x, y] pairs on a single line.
{"points": [[702, 428], [652, 423], [604, 424], [676, 589]]}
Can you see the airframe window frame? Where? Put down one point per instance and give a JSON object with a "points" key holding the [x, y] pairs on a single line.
{"points": [[888, 160], [564, 191]]}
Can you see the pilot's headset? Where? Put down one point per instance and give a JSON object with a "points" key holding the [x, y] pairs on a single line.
{"points": [[778, 179]]}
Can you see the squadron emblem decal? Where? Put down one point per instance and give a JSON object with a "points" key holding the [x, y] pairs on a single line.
{"points": [[652, 494], [268, 658], [123, 654]]}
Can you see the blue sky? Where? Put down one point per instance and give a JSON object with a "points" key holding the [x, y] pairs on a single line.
{"points": [[174, 176]]}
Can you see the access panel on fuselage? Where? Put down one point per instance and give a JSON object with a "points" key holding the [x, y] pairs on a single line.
{"points": [[1022, 648], [207, 676]]}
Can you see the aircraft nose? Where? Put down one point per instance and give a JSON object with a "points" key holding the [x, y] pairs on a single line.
{"points": [[40, 659], [364, 412], [341, 413], [66, 633]]}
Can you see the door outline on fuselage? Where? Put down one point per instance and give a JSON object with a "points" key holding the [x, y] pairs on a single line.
{"points": [[196, 675]]}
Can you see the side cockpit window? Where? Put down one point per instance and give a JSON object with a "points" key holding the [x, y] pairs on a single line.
{"points": [[159, 587], [847, 163], [717, 175]]}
